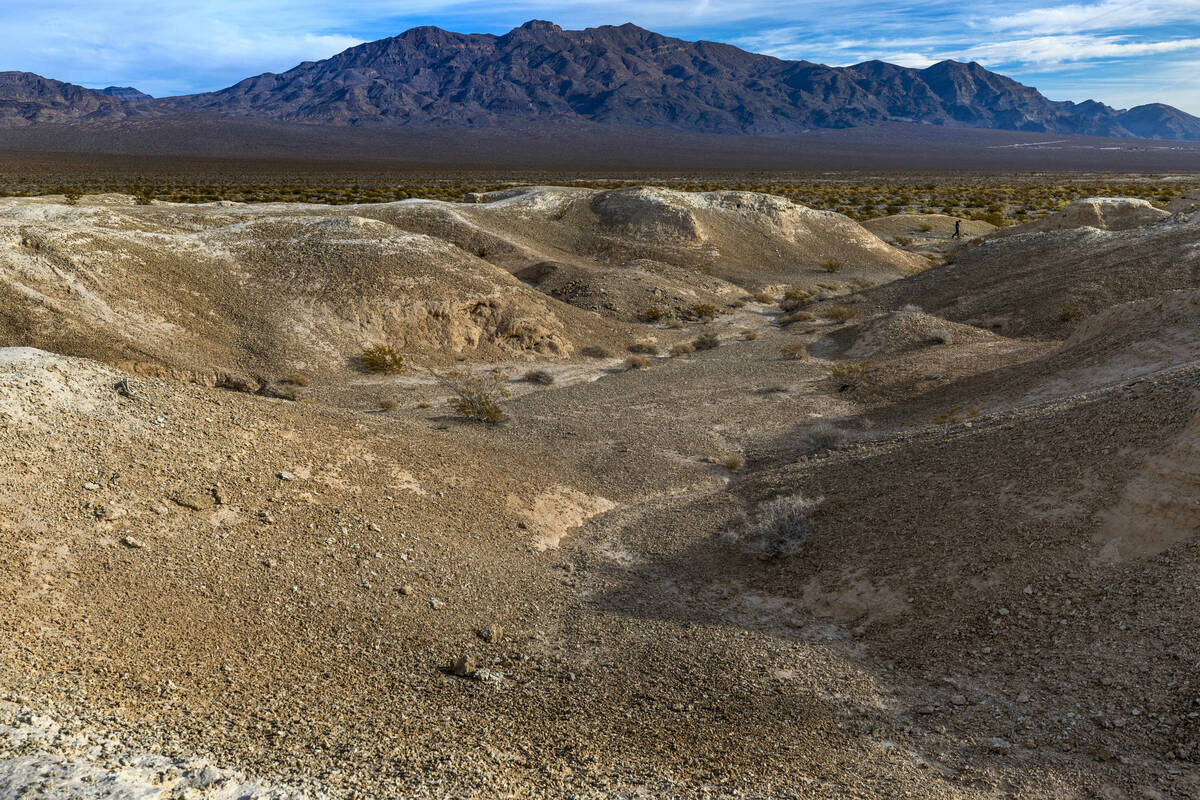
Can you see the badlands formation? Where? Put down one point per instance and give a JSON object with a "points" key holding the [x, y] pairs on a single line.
{"points": [[850, 520]]}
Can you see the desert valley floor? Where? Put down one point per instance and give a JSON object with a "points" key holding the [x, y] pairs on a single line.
{"points": [[234, 562]]}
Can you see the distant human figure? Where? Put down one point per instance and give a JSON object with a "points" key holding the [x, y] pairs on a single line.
{"points": [[957, 229]]}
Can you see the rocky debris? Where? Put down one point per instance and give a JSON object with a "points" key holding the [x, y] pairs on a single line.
{"points": [[131, 542], [463, 665], [284, 475], [492, 633], [109, 513]]}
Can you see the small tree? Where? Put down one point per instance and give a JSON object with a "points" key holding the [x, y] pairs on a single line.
{"points": [[476, 397]]}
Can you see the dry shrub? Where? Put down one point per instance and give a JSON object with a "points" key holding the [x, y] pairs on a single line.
{"points": [[296, 379], [476, 397], [764, 297], [638, 362], [597, 351], [925, 227], [656, 314], [382, 358], [644, 347], [706, 341], [72, 196], [732, 461], [779, 527], [791, 304], [1069, 311], [681, 349], [941, 336], [823, 436], [839, 312], [387, 404], [832, 265], [797, 294], [539, 376], [850, 373], [749, 336], [797, 351], [703, 310], [796, 317]]}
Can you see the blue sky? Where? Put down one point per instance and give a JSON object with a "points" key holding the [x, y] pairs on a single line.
{"points": [[1120, 52]]}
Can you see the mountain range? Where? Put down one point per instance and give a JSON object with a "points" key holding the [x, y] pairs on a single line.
{"points": [[619, 75]]}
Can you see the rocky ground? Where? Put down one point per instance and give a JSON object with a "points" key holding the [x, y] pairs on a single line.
{"points": [[870, 544]]}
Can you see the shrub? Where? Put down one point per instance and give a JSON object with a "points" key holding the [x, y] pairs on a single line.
{"points": [[903, 241], [1069, 311], [656, 314], [703, 310], [144, 197], [823, 436], [791, 304], [849, 373], [925, 227], [764, 297], [796, 351], [955, 416], [296, 379], [706, 341], [382, 358], [794, 294], [780, 527], [387, 404], [539, 376], [644, 347], [681, 349], [832, 265], [749, 336], [476, 397], [72, 196], [796, 316], [732, 461], [839, 312], [941, 336], [597, 351], [638, 362]]}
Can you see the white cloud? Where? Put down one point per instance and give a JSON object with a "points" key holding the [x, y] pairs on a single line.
{"points": [[1105, 15], [1044, 50]]}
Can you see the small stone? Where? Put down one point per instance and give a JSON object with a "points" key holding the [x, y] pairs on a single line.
{"points": [[463, 665], [406, 590], [1028, 590], [1003, 612], [220, 496], [284, 475], [489, 676], [999, 745], [492, 633], [374, 528], [129, 541], [1023, 698], [959, 700], [926, 710], [435, 603], [109, 513], [91, 487], [189, 501], [160, 509]]}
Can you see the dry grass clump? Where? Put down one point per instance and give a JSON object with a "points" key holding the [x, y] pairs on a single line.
{"points": [[795, 316], [681, 349], [941, 336], [656, 314], [850, 374], [387, 404], [780, 527], [476, 397], [539, 376], [749, 336], [382, 358], [832, 266], [644, 347], [72, 196], [823, 436], [797, 351], [1069, 311], [839, 312], [704, 310], [596, 351], [732, 461], [764, 297], [638, 362], [706, 341], [295, 379], [955, 416], [925, 227]]}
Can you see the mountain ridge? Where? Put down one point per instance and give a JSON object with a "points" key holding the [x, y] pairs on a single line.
{"points": [[623, 75]]}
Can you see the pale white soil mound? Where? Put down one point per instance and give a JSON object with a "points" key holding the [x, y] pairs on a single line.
{"points": [[1045, 283], [1105, 213]]}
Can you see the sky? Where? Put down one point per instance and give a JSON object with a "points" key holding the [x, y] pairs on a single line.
{"points": [[1119, 52]]}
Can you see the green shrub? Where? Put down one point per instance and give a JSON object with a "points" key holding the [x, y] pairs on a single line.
{"points": [[382, 358], [476, 397]]}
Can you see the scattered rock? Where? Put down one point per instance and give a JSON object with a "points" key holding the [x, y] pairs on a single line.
{"points": [[925, 710], [109, 513], [220, 495], [492, 633], [91, 487], [284, 475], [959, 700], [407, 591], [189, 501], [129, 541], [435, 603]]}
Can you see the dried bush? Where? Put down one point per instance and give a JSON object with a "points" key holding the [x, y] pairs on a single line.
{"points": [[925, 227], [656, 314], [476, 397], [850, 373], [839, 312], [706, 341], [644, 347], [387, 404], [832, 265], [764, 297], [792, 303], [638, 362], [823, 436], [296, 379], [749, 336], [1069, 311], [797, 351], [382, 358], [539, 376], [797, 294], [597, 351], [681, 349], [732, 461], [703, 310], [779, 527], [72, 196], [795, 316], [941, 336]]}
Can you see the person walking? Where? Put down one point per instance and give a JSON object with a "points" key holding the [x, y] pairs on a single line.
{"points": [[957, 229]]}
